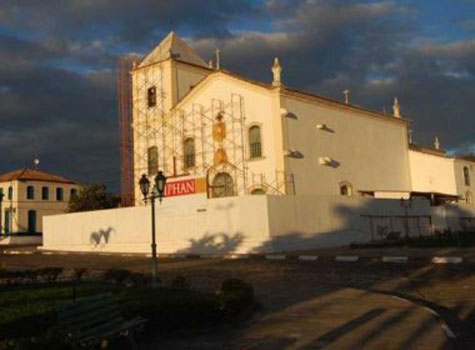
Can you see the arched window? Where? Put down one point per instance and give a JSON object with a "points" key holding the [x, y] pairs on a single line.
{"points": [[31, 221], [258, 191], [255, 145], [30, 192], [45, 193], [59, 194], [466, 175], [223, 185], [189, 153], [10, 192], [152, 96], [469, 197], [346, 189], [152, 160]]}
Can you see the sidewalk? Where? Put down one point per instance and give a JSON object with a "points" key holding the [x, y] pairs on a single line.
{"points": [[333, 319]]}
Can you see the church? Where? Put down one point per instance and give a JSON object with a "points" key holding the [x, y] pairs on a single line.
{"points": [[261, 167], [233, 136]]}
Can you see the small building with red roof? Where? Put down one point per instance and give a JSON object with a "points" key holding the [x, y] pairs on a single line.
{"points": [[30, 194]]}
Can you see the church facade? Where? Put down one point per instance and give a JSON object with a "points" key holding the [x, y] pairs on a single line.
{"points": [[218, 134]]}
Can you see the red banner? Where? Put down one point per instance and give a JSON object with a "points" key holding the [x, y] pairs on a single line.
{"points": [[180, 188]]}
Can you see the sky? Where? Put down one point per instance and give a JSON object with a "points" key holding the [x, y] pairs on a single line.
{"points": [[58, 65]]}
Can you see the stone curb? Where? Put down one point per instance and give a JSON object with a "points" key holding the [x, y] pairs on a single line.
{"points": [[337, 258]]}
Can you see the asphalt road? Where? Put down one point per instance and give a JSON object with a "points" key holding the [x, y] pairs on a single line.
{"points": [[319, 304]]}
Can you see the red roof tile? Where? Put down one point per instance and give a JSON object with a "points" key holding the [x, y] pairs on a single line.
{"points": [[33, 175]]}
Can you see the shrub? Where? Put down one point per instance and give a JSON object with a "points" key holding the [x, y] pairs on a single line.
{"points": [[78, 273], [116, 275], [179, 282], [50, 274], [236, 297], [138, 280]]}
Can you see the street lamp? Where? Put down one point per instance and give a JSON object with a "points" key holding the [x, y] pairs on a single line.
{"points": [[1, 200], [157, 192], [406, 204]]}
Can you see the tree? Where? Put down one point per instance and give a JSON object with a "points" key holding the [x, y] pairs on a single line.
{"points": [[93, 197]]}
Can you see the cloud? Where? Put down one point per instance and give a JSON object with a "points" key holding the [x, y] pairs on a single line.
{"points": [[58, 67]]}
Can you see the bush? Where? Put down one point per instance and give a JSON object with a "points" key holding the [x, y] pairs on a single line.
{"points": [[79, 273], [237, 296], [49, 340], [50, 274], [116, 275], [179, 282]]}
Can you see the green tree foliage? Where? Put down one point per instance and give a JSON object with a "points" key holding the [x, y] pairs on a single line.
{"points": [[93, 197]]}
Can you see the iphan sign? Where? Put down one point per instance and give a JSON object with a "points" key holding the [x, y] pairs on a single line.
{"points": [[185, 187]]}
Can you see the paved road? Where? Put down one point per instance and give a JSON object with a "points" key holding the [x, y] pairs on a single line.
{"points": [[318, 305]]}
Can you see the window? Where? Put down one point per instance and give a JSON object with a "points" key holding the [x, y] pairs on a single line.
{"points": [[152, 160], [10, 192], [469, 197], [189, 153], [31, 221], [152, 96], [223, 185], [30, 192], [346, 189], [466, 175], [74, 192], [8, 221], [258, 191], [45, 193], [59, 194], [255, 148]]}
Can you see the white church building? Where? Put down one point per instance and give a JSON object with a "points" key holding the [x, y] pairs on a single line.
{"points": [[259, 167]]}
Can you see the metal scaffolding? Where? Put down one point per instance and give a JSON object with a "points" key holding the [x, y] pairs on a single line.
{"points": [[144, 126], [126, 135]]}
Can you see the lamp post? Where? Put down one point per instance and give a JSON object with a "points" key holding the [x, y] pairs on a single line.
{"points": [[157, 192], [1, 200], [406, 204]]}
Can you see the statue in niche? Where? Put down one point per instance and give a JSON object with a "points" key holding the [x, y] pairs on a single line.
{"points": [[219, 134], [219, 129]]}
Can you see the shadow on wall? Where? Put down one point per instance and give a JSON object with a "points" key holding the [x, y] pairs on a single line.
{"points": [[302, 241], [350, 223], [101, 237], [218, 243]]}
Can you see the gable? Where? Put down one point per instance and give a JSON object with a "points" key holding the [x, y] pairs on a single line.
{"points": [[173, 44]]}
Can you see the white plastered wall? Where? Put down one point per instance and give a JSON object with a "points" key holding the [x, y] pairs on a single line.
{"points": [[21, 204], [369, 152], [246, 224], [183, 225], [431, 173]]}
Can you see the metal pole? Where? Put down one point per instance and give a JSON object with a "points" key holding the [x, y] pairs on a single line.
{"points": [[154, 245], [407, 219]]}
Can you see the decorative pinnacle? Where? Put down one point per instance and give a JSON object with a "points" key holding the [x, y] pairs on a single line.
{"points": [[346, 92], [396, 109], [218, 62], [276, 72], [436, 143]]}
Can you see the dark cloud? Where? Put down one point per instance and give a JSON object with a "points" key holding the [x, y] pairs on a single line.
{"points": [[371, 48], [58, 67]]}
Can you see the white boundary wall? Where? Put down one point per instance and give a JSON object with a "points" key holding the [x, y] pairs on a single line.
{"points": [[251, 224], [13, 240]]}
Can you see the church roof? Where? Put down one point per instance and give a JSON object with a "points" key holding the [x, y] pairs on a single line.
{"points": [[288, 90], [175, 45], [26, 174]]}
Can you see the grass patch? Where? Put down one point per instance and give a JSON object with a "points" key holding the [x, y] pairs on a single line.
{"points": [[28, 320]]}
